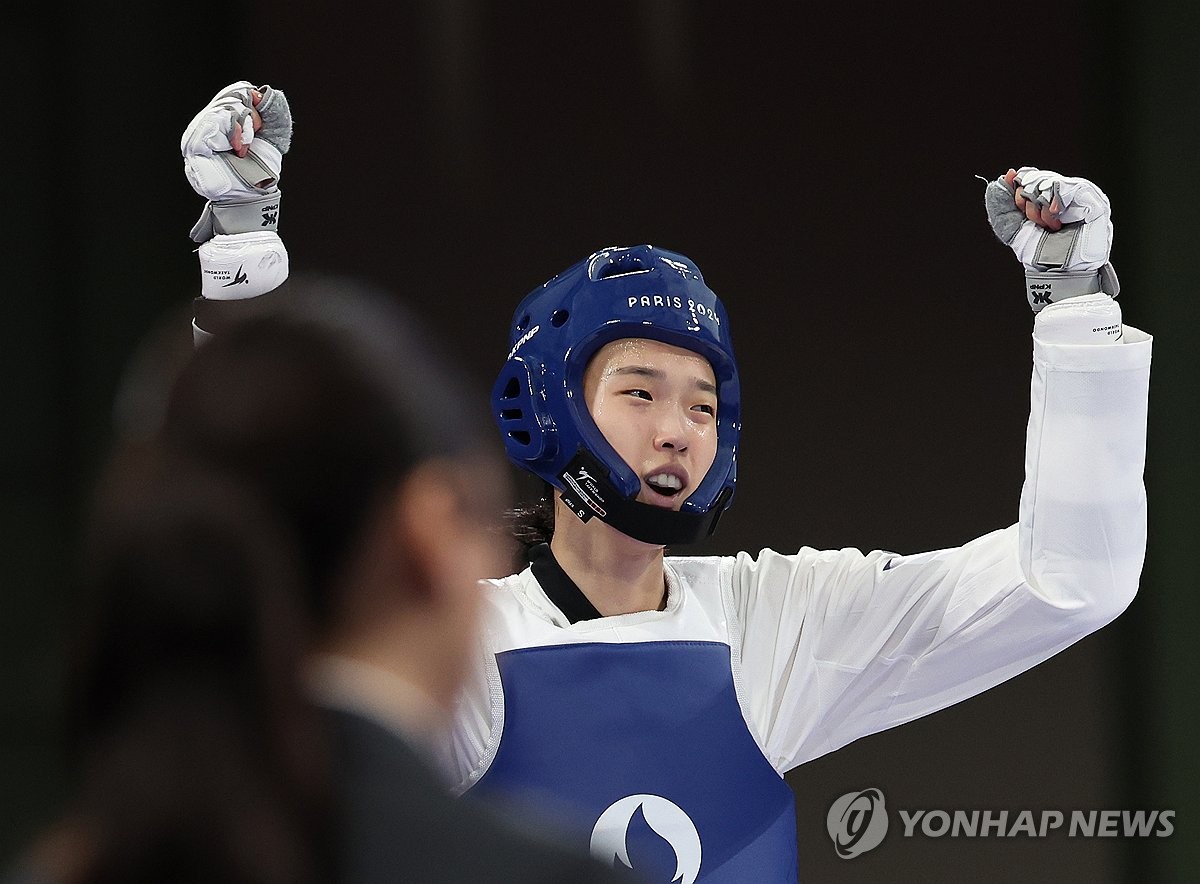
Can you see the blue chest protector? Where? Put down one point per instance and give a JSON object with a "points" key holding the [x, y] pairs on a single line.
{"points": [[641, 752]]}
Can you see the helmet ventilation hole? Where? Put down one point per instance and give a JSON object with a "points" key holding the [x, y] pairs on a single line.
{"points": [[619, 265], [511, 389], [558, 317], [524, 323]]}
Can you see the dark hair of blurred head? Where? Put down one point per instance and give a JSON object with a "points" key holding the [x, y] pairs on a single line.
{"points": [[324, 407], [197, 757]]}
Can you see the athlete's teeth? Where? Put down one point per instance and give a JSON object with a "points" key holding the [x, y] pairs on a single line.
{"points": [[666, 481]]}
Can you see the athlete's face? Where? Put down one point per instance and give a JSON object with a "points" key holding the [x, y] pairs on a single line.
{"points": [[657, 406]]}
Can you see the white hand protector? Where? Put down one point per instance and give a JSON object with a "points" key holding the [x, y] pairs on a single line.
{"points": [[242, 265], [1083, 319], [1061, 264], [243, 192]]}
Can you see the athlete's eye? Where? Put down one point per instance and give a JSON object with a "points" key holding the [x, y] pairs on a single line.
{"points": [[706, 409], [640, 394]]}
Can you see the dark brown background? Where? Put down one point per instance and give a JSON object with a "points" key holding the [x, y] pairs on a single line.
{"points": [[818, 163]]}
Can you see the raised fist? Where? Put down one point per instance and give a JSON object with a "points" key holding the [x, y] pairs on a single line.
{"points": [[1060, 228], [233, 157]]}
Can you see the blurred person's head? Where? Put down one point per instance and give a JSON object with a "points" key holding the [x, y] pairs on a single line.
{"points": [[347, 420], [310, 480]]}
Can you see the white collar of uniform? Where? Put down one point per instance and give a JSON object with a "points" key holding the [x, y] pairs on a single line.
{"points": [[528, 586]]}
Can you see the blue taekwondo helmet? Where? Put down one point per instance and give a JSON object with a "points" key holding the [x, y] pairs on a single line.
{"points": [[538, 402]]}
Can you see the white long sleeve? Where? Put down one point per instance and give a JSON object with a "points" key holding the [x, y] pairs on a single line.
{"points": [[832, 646]]}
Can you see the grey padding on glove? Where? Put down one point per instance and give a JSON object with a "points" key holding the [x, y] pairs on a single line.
{"points": [[276, 118]]}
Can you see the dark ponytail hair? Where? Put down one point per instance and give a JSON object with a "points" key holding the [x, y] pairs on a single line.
{"points": [[531, 523]]}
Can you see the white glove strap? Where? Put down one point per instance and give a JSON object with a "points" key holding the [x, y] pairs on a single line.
{"points": [[242, 265], [238, 216], [1055, 247], [225, 175], [1055, 250]]}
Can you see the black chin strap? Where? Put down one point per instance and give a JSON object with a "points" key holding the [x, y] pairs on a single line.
{"points": [[587, 492]]}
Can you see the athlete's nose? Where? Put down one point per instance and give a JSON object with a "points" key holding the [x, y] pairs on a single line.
{"points": [[672, 434]]}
